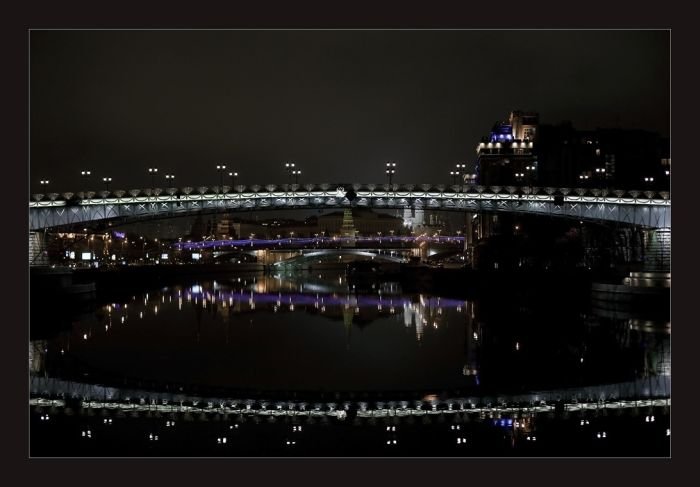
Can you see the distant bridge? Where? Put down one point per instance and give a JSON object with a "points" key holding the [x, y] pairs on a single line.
{"points": [[341, 252], [642, 208]]}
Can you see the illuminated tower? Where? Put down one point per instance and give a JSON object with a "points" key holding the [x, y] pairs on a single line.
{"points": [[347, 231]]}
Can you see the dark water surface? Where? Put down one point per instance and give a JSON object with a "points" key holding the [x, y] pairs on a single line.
{"points": [[314, 332]]}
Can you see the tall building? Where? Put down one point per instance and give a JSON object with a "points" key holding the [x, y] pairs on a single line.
{"points": [[523, 152], [506, 156], [347, 231], [365, 222]]}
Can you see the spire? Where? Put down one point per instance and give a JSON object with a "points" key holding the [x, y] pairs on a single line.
{"points": [[347, 231]]}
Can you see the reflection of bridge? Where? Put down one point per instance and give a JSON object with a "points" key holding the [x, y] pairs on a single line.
{"points": [[640, 393], [643, 208]]}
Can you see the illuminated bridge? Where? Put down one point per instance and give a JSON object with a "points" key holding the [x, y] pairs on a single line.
{"points": [[648, 209]]}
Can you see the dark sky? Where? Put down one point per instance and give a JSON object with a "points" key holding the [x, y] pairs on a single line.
{"points": [[338, 103]]}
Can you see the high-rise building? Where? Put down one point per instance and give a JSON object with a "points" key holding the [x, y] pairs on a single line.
{"points": [[523, 152], [347, 231], [506, 156]]}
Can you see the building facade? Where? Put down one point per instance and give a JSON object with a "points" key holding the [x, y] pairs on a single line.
{"points": [[523, 152]]}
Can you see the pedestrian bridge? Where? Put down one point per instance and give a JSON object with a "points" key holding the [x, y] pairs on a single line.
{"points": [[642, 208]]}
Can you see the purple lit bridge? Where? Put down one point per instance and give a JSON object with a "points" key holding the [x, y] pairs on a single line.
{"points": [[647, 209]]}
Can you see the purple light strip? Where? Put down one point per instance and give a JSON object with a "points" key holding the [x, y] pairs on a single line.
{"points": [[313, 240]]}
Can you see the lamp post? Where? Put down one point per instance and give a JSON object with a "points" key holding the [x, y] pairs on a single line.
{"points": [[296, 173], [530, 173], [583, 179], [233, 176], [44, 184], [454, 175], [390, 170], [85, 175], [220, 168], [289, 167], [153, 171], [461, 168], [169, 179], [106, 181], [600, 175]]}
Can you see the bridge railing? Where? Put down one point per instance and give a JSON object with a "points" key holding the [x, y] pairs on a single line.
{"points": [[340, 190]]}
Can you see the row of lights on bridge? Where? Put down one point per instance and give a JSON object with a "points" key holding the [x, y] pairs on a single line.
{"points": [[293, 172], [291, 169]]}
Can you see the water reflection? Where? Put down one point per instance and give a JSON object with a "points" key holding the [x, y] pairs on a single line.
{"points": [[314, 332]]}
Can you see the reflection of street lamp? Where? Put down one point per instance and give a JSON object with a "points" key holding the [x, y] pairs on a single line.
{"points": [[107, 180], [390, 170]]}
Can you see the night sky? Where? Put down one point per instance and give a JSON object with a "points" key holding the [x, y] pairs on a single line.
{"points": [[338, 103]]}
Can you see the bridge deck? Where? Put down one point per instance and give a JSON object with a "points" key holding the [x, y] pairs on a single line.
{"points": [[649, 209]]}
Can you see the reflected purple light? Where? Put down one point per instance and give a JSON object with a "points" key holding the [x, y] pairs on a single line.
{"points": [[327, 299]]}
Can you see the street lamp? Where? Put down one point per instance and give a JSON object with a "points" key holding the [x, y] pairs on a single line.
{"points": [[170, 179], [600, 174], [296, 173], [221, 168], [153, 171], [530, 172], [44, 184], [583, 178], [233, 176], [289, 168], [461, 168], [85, 175], [454, 175], [390, 170], [107, 180]]}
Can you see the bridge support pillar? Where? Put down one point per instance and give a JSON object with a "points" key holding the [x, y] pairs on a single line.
{"points": [[657, 250], [468, 237]]}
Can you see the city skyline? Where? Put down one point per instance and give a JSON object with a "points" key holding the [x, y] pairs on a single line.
{"points": [[337, 103]]}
